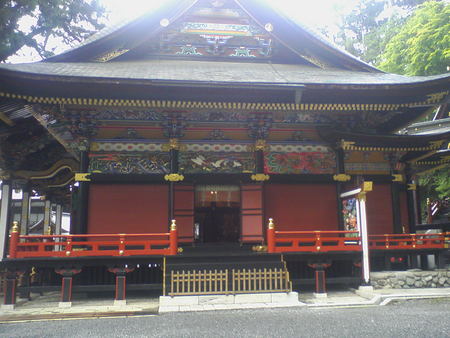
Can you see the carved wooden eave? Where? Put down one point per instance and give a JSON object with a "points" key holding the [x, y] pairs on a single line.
{"points": [[65, 164]]}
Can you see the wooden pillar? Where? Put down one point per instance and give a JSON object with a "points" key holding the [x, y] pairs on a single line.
{"points": [[411, 200], [396, 208], [83, 197], [9, 288], [47, 216], [121, 286], [5, 212], [259, 161], [66, 285], [25, 212], [58, 219], [340, 165], [416, 199], [58, 225], [270, 237], [174, 167], [320, 289]]}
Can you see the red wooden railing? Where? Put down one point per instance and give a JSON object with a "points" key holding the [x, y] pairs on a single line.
{"points": [[408, 241], [115, 245], [314, 241], [326, 241]]}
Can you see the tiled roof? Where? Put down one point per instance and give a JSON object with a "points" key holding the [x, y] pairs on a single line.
{"points": [[212, 72]]}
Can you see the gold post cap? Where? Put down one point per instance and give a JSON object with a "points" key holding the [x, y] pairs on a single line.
{"points": [[15, 227], [173, 226], [49, 231], [271, 224]]}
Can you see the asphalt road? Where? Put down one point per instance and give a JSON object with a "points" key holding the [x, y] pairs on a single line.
{"points": [[419, 318]]}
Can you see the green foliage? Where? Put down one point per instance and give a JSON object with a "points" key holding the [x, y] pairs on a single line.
{"points": [[366, 31], [355, 26], [376, 40], [435, 186], [422, 45], [67, 20]]}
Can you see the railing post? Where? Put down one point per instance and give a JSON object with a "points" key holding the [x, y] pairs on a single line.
{"points": [[318, 241], [173, 238], [68, 245], [271, 236], [121, 244], [14, 240]]}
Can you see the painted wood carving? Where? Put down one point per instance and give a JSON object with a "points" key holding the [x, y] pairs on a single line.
{"points": [[150, 163], [232, 163], [299, 163]]}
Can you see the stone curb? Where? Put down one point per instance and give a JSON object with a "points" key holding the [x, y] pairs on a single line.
{"points": [[79, 315], [372, 300]]}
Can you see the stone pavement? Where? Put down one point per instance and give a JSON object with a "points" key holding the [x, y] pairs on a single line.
{"points": [[46, 306]]}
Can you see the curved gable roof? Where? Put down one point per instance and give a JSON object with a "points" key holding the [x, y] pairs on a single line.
{"points": [[302, 41]]}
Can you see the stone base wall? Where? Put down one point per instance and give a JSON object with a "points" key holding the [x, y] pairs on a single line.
{"points": [[410, 279]]}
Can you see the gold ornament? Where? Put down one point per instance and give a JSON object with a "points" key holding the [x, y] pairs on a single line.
{"points": [[342, 177], [260, 177], [174, 177]]}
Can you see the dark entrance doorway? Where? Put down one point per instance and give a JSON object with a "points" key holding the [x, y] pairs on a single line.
{"points": [[217, 214]]}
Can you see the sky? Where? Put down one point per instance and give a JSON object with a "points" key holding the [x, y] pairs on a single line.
{"points": [[316, 14]]}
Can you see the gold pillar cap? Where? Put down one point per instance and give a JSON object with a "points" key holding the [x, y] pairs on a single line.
{"points": [[173, 226], [271, 224], [15, 227]]}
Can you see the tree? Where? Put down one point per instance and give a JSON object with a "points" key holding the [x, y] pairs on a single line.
{"points": [[372, 23], [356, 25], [69, 21], [422, 45], [434, 185]]}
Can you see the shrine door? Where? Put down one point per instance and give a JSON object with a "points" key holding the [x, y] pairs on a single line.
{"points": [[183, 211], [252, 213]]}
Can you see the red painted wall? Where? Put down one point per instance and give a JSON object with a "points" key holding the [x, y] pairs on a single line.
{"points": [[301, 207], [379, 210], [128, 208]]}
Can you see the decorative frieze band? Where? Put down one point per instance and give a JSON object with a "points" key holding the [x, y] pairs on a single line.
{"points": [[114, 146]]}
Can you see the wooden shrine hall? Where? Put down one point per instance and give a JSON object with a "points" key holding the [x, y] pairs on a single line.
{"points": [[172, 140]]}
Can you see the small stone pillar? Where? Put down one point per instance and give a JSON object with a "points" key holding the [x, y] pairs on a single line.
{"points": [[66, 285], [320, 290], [121, 284]]}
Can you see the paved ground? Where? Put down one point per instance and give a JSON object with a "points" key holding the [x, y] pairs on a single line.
{"points": [[417, 318], [43, 307]]}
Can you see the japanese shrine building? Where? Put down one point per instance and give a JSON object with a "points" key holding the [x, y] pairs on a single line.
{"points": [[219, 114]]}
